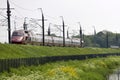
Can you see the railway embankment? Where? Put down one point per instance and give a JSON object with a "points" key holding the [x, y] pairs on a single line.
{"points": [[10, 51]]}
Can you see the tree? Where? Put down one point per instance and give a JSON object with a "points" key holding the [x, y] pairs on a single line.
{"points": [[101, 39]]}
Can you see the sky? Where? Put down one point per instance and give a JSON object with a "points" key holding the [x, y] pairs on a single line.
{"points": [[101, 14]]}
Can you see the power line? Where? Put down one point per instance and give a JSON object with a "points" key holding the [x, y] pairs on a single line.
{"points": [[21, 7], [3, 22], [1, 10], [19, 13], [51, 17], [33, 20], [3, 16]]}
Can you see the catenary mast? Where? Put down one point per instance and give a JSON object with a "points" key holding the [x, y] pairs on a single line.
{"points": [[9, 27]]}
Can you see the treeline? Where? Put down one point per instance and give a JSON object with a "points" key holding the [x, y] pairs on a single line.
{"points": [[103, 39]]}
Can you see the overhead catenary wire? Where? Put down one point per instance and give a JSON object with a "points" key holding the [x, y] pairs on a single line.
{"points": [[18, 12], [3, 15], [21, 7], [56, 24], [14, 3], [3, 22], [1, 10], [51, 17]]}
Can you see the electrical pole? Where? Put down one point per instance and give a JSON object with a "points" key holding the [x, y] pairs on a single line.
{"points": [[67, 33], [94, 30], [80, 35], [43, 27], [117, 40], [94, 35], [49, 30], [63, 31], [9, 27], [107, 42], [25, 25]]}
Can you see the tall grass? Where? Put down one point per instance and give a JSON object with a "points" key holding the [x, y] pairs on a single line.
{"points": [[21, 51], [91, 69]]}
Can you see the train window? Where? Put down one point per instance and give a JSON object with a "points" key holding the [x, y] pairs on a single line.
{"points": [[17, 34], [26, 31]]}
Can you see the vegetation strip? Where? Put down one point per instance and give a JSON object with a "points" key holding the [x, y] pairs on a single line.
{"points": [[6, 64], [90, 69]]}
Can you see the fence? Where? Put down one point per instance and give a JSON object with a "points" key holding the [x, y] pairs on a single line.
{"points": [[6, 64]]}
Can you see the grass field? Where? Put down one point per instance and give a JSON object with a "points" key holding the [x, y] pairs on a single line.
{"points": [[90, 69], [22, 51]]}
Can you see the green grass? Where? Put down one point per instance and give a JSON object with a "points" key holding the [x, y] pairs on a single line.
{"points": [[22, 51], [90, 69]]}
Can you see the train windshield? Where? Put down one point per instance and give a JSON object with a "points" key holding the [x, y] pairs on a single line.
{"points": [[17, 34]]}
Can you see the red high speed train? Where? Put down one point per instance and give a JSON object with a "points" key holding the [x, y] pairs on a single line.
{"points": [[27, 37], [21, 36]]}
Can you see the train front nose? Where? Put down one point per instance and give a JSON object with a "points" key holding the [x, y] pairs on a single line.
{"points": [[17, 39]]}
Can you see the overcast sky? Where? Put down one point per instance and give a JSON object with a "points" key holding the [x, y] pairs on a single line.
{"points": [[103, 14]]}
